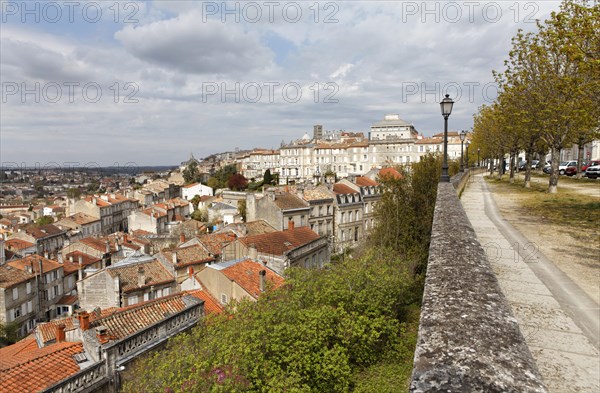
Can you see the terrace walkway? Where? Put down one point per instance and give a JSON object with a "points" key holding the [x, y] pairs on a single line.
{"points": [[559, 321]]}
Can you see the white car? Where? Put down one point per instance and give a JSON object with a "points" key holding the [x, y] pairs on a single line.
{"points": [[562, 167], [593, 172]]}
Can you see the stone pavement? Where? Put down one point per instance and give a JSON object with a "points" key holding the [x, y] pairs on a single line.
{"points": [[560, 322]]}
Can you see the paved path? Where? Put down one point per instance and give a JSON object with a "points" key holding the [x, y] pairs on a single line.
{"points": [[559, 321]]}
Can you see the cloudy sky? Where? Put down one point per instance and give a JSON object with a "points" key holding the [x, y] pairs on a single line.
{"points": [[149, 82]]}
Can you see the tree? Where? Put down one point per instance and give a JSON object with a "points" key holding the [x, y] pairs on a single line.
{"points": [[73, 193], [191, 173], [9, 333], [242, 209], [195, 201], [44, 220], [200, 215], [237, 182], [268, 178], [326, 330]]}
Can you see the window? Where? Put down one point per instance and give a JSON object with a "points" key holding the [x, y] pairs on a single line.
{"points": [[30, 306], [16, 313], [15, 293], [133, 299]]}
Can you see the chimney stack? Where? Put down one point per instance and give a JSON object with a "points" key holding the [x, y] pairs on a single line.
{"points": [[60, 258], [107, 247], [80, 260], [60, 333], [46, 254], [84, 320], [71, 258], [190, 271], [102, 334], [262, 278], [291, 225], [182, 238], [252, 252], [141, 277], [174, 256]]}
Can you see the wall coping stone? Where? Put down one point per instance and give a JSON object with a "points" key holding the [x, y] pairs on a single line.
{"points": [[468, 340]]}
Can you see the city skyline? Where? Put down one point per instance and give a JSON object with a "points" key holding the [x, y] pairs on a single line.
{"points": [[183, 77]]}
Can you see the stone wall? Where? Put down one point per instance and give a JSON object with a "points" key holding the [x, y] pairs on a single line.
{"points": [[468, 341]]}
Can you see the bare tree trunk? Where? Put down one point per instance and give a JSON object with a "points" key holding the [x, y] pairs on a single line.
{"points": [[553, 182], [528, 156], [500, 167], [579, 158], [511, 178]]}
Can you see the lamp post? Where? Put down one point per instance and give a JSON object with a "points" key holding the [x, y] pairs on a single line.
{"points": [[478, 151], [446, 106], [463, 134], [467, 143]]}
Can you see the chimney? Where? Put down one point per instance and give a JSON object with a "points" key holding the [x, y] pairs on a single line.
{"points": [[141, 277], [262, 278], [71, 258], [102, 334], [252, 252], [80, 273], [80, 260], [60, 333], [107, 247], [291, 225], [174, 257], [182, 238], [46, 254], [190, 271], [60, 258], [84, 320], [125, 240]]}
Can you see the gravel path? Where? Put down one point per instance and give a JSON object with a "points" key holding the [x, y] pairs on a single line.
{"points": [[560, 322]]}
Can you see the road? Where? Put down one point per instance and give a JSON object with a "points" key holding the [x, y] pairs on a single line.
{"points": [[559, 321]]}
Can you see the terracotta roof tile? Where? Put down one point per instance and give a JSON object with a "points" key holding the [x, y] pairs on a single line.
{"points": [[41, 368], [390, 172], [154, 272], [17, 244], [215, 242], [190, 255], [364, 181], [211, 306], [15, 353], [287, 201], [280, 242], [246, 275], [343, 189], [40, 232], [33, 262]]}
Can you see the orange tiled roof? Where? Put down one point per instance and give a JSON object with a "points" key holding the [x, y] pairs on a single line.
{"points": [[389, 172], [46, 332], [97, 244], [82, 218], [343, 189], [211, 306], [364, 181], [245, 274], [280, 242], [15, 353], [17, 244], [41, 368], [33, 261], [40, 232], [86, 260]]}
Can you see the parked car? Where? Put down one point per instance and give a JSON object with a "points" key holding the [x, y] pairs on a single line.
{"points": [[589, 164], [535, 164], [562, 167], [547, 168], [593, 172], [571, 170]]}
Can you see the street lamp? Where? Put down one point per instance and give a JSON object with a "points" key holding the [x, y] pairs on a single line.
{"points": [[463, 135], [467, 143], [446, 106], [478, 151]]}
